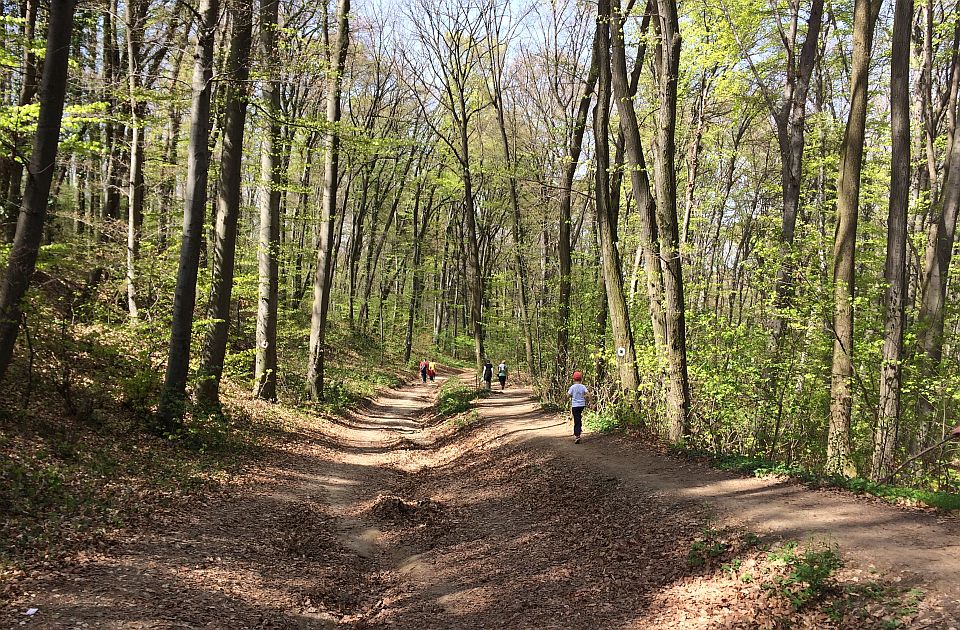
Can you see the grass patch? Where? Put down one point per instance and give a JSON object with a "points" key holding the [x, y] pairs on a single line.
{"points": [[605, 421], [945, 501], [454, 398], [807, 573]]}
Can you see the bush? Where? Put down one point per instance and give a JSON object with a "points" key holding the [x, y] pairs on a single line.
{"points": [[454, 397]]}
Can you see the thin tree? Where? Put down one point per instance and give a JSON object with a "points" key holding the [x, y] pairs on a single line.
{"points": [[607, 230], [136, 22], [324, 275], [26, 243], [173, 397], [895, 273], [844, 251], [498, 47], [665, 176], [624, 91], [564, 242], [451, 35], [268, 249], [214, 347]]}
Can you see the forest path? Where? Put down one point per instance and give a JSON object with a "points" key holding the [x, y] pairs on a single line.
{"points": [[920, 547], [382, 519]]}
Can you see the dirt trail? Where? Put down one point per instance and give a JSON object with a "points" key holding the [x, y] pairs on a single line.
{"points": [[377, 520], [921, 547]]}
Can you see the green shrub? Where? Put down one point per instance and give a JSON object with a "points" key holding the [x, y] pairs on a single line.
{"points": [[454, 397], [603, 421], [808, 573]]}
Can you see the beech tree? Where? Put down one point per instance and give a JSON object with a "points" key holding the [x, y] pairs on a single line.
{"points": [[172, 401], [324, 273]]}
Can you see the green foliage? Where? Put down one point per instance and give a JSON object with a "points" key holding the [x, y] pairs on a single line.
{"points": [[808, 573], [604, 421], [706, 548], [945, 501], [454, 397]]}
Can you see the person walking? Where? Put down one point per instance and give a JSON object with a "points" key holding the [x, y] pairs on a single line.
{"points": [[502, 374], [423, 371], [432, 370], [487, 373], [578, 400]]}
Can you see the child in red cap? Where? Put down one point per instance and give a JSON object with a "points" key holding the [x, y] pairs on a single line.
{"points": [[578, 395]]}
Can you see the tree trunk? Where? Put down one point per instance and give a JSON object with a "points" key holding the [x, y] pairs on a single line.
{"points": [[26, 243], [416, 289], [937, 262], [268, 249], [28, 89], [888, 424], [610, 259], [848, 199], [564, 245], [117, 155], [640, 181], [665, 176], [475, 272], [135, 25], [171, 409], [790, 121], [214, 347], [324, 273]]}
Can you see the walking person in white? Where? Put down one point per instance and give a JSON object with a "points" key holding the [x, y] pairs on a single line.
{"points": [[578, 395]]}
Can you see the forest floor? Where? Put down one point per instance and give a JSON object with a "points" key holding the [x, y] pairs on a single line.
{"points": [[389, 517]]}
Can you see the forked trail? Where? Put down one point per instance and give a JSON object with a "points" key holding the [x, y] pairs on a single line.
{"points": [[384, 519]]}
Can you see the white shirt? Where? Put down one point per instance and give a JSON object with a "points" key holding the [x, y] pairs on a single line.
{"points": [[578, 391]]}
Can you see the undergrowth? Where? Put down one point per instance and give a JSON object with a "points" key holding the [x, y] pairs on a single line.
{"points": [[454, 397], [945, 501]]}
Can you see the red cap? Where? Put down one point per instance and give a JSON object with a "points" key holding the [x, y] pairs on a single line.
{"points": [[577, 376]]}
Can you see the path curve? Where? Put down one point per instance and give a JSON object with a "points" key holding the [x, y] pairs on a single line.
{"points": [[920, 548]]}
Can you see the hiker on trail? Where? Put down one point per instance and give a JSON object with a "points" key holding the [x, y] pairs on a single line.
{"points": [[431, 370], [578, 395], [488, 373], [423, 370], [502, 374]]}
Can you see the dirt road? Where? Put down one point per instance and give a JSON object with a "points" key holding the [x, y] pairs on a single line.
{"points": [[384, 519]]}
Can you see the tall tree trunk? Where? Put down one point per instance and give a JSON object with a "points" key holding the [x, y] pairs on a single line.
{"points": [[28, 89], [420, 223], [172, 400], [790, 121], [518, 236], [117, 155], [268, 250], [26, 243], [610, 258], [214, 347], [640, 181], [939, 256], [475, 272], [848, 200], [934, 290], [564, 245], [895, 273], [665, 176], [136, 14], [324, 275]]}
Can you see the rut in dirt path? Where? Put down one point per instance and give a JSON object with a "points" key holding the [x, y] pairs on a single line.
{"points": [[288, 545], [537, 531]]}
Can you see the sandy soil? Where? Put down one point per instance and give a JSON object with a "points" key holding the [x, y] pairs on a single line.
{"points": [[387, 519]]}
